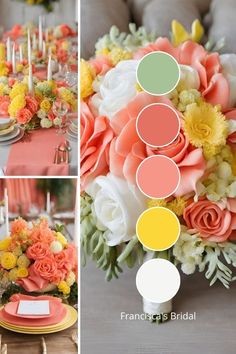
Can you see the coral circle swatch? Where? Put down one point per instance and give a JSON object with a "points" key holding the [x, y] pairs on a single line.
{"points": [[158, 73], [158, 228], [158, 125], [158, 177]]}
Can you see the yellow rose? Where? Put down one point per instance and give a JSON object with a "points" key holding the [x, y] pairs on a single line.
{"points": [[16, 104], [4, 244], [64, 288], [19, 67], [18, 88], [45, 105], [8, 260], [13, 274], [70, 279], [61, 239], [22, 272], [3, 69], [17, 251], [23, 261]]}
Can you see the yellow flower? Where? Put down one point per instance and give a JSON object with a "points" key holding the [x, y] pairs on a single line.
{"points": [[70, 279], [4, 244], [2, 52], [206, 127], [3, 69], [23, 261], [17, 251], [2, 86], [180, 35], [177, 205], [8, 260], [19, 67], [16, 104], [156, 203], [18, 89], [86, 79], [61, 239], [66, 95], [103, 51], [138, 87], [45, 105], [22, 272], [118, 54], [63, 288], [13, 274]]}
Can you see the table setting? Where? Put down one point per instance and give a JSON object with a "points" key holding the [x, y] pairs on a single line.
{"points": [[38, 267], [38, 100]]}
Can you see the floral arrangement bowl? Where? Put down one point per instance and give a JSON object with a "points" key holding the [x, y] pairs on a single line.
{"points": [[38, 259], [111, 151]]}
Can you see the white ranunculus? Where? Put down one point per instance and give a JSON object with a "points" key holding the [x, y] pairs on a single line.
{"points": [[117, 206], [228, 62], [189, 77], [116, 89]]}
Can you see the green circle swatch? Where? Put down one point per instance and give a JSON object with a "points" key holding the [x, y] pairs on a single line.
{"points": [[158, 73]]}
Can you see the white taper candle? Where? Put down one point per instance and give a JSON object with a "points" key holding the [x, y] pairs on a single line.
{"points": [[8, 49], [6, 212], [49, 68]]}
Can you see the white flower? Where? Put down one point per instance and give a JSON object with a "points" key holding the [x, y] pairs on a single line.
{"points": [[46, 123], [56, 247], [117, 206], [228, 62], [189, 77], [116, 89]]}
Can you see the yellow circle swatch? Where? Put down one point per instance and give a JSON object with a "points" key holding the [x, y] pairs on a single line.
{"points": [[158, 228]]}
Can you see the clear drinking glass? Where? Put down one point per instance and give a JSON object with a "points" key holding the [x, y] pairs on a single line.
{"points": [[60, 110]]}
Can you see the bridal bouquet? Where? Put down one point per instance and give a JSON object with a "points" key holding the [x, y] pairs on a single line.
{"points": [[37, 258], [204, 151]]}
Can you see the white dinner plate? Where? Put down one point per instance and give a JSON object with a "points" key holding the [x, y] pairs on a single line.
{"points": [[10, 135], [14, 140], [72, 134]]}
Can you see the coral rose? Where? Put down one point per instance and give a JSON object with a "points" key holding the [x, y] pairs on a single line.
{"points": [[24, 116], [31, 104], [38, 251], [18, 225], [4, 104], [42, 233], [127, 150], [213, 221], [47, 269], [96, 135], [214, 85]]}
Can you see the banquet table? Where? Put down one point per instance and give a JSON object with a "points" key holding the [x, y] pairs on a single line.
{"points": [[57, 343], [34, 155]]}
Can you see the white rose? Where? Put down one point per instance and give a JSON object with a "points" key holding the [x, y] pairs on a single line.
{"points": [[189, 77], [116, 89], [228, 62], [56, 247], [117, 207]]}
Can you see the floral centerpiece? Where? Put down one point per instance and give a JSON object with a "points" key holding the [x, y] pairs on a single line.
{"points": [[204, 151], [47, 4], [38, 259]]}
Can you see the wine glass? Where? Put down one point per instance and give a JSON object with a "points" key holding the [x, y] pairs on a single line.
{"points": [[60, 110]]}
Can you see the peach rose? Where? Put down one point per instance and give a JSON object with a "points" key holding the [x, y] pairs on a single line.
{"points": [[38, 251], [18, 226], [127, 151], [213, 221], [47, 268], [42, 233], [214, 86], [101, 65], [24, 116], [31, 104], [4, 104], [96, 135], [63, 261]]}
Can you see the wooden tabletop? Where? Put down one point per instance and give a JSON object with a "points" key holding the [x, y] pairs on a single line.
{"points": [[57, 343]]}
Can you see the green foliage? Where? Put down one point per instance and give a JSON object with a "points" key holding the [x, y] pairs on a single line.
{"points": [[56, 186]]}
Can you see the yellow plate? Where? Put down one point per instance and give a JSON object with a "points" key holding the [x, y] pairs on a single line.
{"points": [[8, 130], [67, 322]]}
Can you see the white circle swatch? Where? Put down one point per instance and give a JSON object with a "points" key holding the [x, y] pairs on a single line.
{"points": [[158, 280]]}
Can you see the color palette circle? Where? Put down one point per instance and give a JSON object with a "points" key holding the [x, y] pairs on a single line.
{"points": [[158, 228], [158, 280], [158, 73], [158, 176], [158, 125]]}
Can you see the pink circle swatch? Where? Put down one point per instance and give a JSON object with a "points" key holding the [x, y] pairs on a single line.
{"points": [[158, 125], [158, 176]]}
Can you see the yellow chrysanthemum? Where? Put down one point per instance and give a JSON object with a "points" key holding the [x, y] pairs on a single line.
{"points": [[206, 127], [103, 52], [177, 205], [3, 69], [2, 52], [66, 95], [8, 260], [19, 67], [118, 54], [45, 105], [16, 104], [63, 288], [18, 88], [86, 79], [4, 244], [23, 261], [61, 239], [22, 272], [12, 275], [156, 203], [2, 86]]}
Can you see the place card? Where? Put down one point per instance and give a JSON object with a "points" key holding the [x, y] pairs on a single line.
{"points": [[31, 307]]}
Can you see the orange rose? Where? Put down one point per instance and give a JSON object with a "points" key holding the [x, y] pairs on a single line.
{"points": [[42, 233], [24, 116], [211, 220], [47, 269], [38, 251], [31, 104]]}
